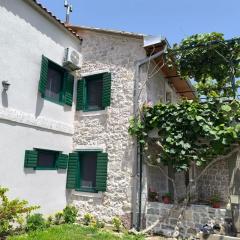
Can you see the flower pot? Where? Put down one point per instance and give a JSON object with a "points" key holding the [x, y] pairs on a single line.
{"points": [[153, 197], [216, 205], [166, 199]]}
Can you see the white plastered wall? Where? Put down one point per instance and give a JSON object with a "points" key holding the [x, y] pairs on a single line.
{"points": [[41, 187], [28, 121], [26, 35]]}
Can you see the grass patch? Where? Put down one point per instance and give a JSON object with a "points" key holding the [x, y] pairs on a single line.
{"points": [[76, 232]]}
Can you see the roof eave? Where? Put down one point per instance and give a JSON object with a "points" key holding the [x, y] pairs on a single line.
{"points": [[107, 31], [40, 8]]}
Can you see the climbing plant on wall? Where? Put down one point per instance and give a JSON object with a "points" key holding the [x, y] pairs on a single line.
{"points": [[191, 130]]}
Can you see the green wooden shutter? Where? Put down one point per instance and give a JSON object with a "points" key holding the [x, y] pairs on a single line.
{"points": [[81, 94], [78, 176], [68, 81], [62, 161], [101, 176], [43, 76], [31, 158], [106, 97], [72, 171]]}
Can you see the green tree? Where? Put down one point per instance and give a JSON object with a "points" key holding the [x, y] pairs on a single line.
{"points": [[210, 60]]}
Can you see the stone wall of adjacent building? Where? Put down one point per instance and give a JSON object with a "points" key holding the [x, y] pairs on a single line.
{"points": [[215, 181], [194, 217]]}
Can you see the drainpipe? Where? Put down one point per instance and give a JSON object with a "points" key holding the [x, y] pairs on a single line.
{"points": [[138, 149]]}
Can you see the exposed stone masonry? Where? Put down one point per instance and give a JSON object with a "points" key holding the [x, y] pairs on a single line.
{"points": [[109, 128], [214, 182], [195, 216]]}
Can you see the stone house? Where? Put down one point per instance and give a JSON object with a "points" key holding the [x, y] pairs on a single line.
{"points": [[121, 54], [64, 128]]}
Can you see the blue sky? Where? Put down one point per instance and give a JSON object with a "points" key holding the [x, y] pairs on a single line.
{"points": [[174, 19]]}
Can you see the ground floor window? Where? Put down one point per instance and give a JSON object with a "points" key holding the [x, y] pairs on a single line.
{"points": [[41, 159], [87, 171], [47, 159]]}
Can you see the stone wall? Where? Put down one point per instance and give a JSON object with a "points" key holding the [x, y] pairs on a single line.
{"points": [[180, 185], [157, 181], [214, 182], [195, 216], [108, 129]]}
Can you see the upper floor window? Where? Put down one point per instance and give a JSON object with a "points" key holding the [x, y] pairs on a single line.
{"points": [[94, 86], [56, 83], [54, 88], [94, 92]]}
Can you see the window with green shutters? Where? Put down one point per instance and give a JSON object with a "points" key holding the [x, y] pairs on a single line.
{"points": [[56, 83], [41, 159], [94, 92], [87, 171]]}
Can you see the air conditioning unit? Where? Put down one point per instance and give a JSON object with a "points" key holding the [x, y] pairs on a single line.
{"points": [[72, 60]]}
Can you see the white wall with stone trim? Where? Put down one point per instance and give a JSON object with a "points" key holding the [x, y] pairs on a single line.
{"points": [[26, 36], [28, 121]]}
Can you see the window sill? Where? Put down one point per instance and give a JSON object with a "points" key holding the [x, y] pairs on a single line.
{"points": [[88, 194], [93, 113], [43, 168]]}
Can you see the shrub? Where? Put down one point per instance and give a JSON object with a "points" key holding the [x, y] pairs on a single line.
{"points": [[215, 199], [35, 222], [49, 221], [117, 223], [98, 224], [87, 219], [58, 218], [12, 212], [70, 214]]}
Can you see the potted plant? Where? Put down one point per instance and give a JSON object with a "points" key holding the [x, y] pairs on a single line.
{"points": [[215, 201], [166, 198], [152, 195]]}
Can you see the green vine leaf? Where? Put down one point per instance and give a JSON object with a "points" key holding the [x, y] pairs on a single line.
{"points": [[211, 132], [226, 108]]}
